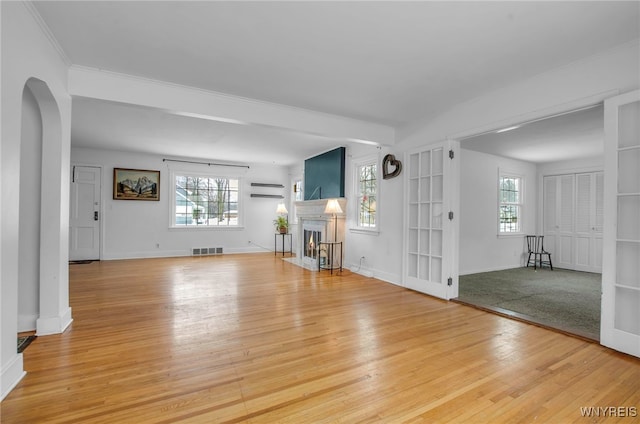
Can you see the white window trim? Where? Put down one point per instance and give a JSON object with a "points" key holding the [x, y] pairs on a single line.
{"points": [[507, 173], [363, 161], [172, 207]]}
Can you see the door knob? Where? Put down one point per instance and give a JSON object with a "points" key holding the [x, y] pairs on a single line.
{"points": [[95, 215]]}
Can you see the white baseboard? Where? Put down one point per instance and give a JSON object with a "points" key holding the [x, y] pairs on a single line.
{"points": [[173, 253], [377, 274], [360, 270], [53, 325], [145, 255], [478, 271], [11, 375]]}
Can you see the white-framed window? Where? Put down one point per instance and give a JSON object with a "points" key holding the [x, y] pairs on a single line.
{"points": [[366, 188], [510, 203], [297, 190], [205, 201]]}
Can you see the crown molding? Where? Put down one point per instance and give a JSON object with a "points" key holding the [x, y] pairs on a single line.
{"points": [[47, 31]]}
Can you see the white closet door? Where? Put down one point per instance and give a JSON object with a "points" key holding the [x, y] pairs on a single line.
{"points": [[564, 255], [620, 324], [427, 227], [588, 222]]}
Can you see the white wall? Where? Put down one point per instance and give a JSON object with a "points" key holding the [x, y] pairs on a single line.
{"points": [[29, 248], [134, 229], [377, 247], [481, 249], [27, 53]]}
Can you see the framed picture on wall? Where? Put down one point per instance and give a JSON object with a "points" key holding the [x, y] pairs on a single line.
{"points": [[136, 184]]}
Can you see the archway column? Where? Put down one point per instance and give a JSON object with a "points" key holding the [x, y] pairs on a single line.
{"points": [[55, 313]]}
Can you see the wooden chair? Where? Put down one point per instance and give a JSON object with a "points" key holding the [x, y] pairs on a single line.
{"points": [[535, 247]]}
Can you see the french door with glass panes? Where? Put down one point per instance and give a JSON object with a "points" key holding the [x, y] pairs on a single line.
{"points": [[620, 323], [428, 250]]}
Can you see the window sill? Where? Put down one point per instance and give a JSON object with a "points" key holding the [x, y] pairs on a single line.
{"points": [[366, 231], [510, 235]]}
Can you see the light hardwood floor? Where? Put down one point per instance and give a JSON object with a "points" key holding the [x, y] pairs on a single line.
{"points": [[252, 338]]}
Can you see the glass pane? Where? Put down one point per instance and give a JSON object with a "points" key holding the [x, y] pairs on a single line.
{"points": [[437, 188], [629, 125], [412, 265], [629, 171], [436, 219], [509, 219], [424, 216], [425, 188], [414, 165], [629, 217], [413, 216], [627, 311], [413, 190], [436, 161], [423, 272], [424, 242], [436, 270], [628, 264], [413, 241], [436, 242], [425, 159], [183, 219]]}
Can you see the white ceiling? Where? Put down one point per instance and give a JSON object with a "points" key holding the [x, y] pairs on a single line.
{"points": [[385, 62], [576, 135]]}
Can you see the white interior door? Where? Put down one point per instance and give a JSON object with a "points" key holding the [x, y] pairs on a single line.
{"points": [[84, 214], [428, 252], [589, 220], [620, 324], [558, 218]]}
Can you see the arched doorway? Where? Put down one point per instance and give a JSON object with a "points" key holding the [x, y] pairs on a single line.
{"points": [[43, 208], [30, 195]]}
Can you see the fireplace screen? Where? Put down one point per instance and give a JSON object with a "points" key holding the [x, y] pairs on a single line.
{"points": [[312, 238]]}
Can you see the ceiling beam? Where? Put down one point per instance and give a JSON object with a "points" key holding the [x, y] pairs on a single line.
{"points": [[198, 103]]}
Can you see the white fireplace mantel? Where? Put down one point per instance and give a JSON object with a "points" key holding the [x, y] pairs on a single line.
{"points": [[314, 209]]}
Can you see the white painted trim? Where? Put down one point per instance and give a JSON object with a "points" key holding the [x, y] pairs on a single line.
{"points": [[360, 270], [205, 104], [54, 325], [356, 163], [609, 335], [47, 32], [567, 107], [11, 375], [482, 270], [506, 172], [178, 253]]}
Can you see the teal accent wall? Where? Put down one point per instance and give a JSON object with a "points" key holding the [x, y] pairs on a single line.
{"points": [[324, 175]]}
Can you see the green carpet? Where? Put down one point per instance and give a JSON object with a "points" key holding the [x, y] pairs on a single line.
{"points": [[564, 299]]}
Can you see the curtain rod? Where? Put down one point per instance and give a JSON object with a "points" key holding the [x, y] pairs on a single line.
{"points": [[205, 163]]}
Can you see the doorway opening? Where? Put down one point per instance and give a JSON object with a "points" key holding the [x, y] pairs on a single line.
{"points": [[560, 161]]}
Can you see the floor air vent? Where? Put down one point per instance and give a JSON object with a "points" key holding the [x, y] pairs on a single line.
{"points": [[206, 251]]}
